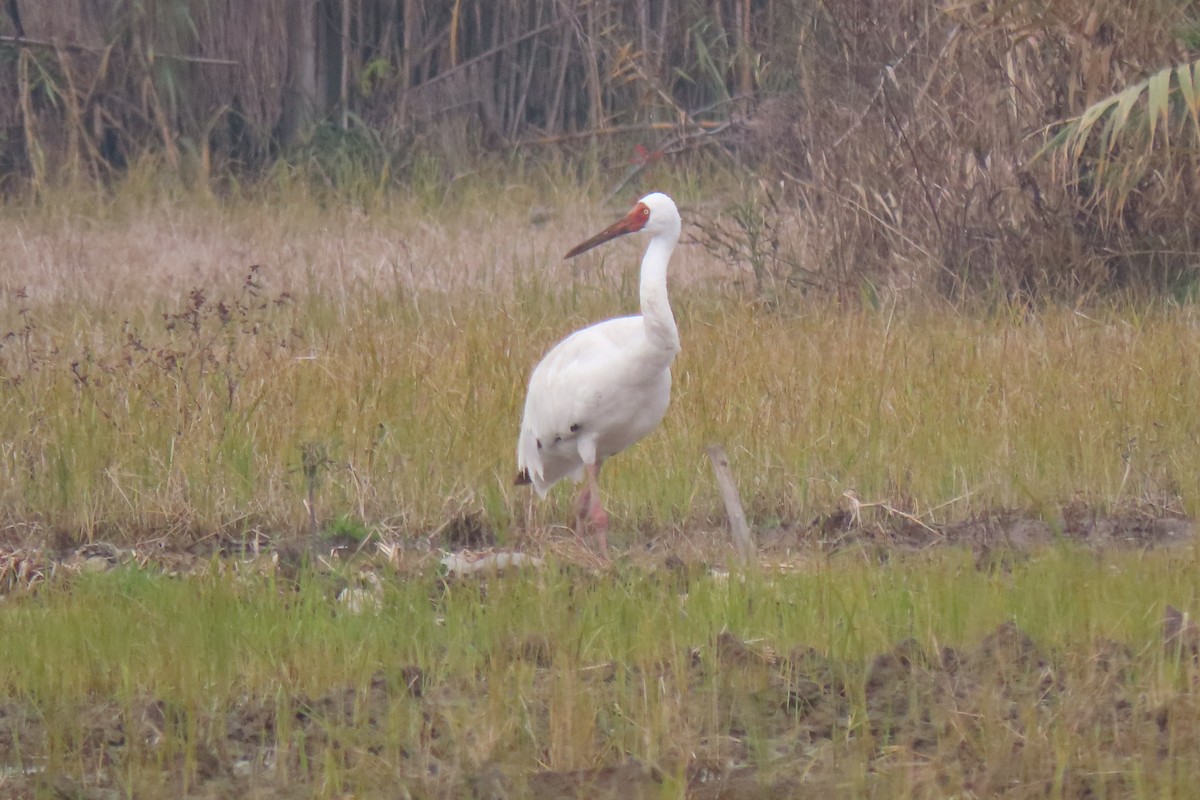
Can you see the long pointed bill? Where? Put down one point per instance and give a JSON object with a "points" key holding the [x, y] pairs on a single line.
{"points": [[632, 222]]}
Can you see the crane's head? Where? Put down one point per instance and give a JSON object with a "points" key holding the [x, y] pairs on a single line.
{"points": [[655, 214]]}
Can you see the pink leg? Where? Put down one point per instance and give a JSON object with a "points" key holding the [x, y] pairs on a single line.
{"points": [[582, 504], [596, 510]]}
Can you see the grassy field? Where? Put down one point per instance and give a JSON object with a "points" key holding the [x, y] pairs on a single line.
{"points": [[157, 381], [923, 677], [175, 371]]}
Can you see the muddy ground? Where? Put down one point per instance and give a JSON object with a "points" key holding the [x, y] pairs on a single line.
{"points": [[976, 722]]}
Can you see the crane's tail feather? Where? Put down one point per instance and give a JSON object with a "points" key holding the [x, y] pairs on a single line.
{"points": [[522, 478]]}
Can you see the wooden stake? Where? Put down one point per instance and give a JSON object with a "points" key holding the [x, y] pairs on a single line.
{"points": [[739, 529]]}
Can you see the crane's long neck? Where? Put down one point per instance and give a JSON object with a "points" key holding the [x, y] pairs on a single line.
{"points": [[661, 332]]}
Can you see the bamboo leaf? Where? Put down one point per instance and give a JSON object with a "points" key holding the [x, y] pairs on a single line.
{"points": [[1183, 74], [1194, 82], [1107, 142], [1125, 103], [1187, 88], [1078, 131], [1160, 84]]}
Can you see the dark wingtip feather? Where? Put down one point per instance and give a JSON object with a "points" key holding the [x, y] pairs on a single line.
{"points": [[522, 478]]}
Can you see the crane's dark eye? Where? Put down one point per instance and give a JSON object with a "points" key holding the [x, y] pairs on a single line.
{"points": [[645, 211]]}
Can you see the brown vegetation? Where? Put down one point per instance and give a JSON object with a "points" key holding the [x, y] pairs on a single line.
{"points": [[901, 138]]}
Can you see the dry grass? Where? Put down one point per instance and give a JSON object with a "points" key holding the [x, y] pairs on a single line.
{"points": [[905, 137], [396, 345]]}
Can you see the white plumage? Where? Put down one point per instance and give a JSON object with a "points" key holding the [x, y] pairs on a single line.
{"points": [[605, 387]]}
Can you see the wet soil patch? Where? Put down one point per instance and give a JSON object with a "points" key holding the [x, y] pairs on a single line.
{"points": [[994, 531], [976, 721]]}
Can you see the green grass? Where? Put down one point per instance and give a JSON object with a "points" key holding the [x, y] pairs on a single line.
{"points": [[221, 642]]}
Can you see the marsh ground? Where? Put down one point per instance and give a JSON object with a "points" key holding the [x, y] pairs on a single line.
{"points": [[185, 386], [998, 715]]}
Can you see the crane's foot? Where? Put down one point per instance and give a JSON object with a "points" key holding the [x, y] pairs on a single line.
{"points": [[600, 526]]}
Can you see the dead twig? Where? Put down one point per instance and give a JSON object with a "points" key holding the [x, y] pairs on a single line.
{"points": [[677, 143], [22, 41], [857, 506], [500, 48], [615, 130]]}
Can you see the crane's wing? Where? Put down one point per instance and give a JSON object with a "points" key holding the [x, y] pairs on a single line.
{"points": [[565, 391]]}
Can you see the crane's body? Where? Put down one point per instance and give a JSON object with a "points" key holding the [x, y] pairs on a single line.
{"points": [[572, 418], [605, 387]]}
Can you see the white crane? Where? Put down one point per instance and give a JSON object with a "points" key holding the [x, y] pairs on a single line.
{"points": [[605, 387]]}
